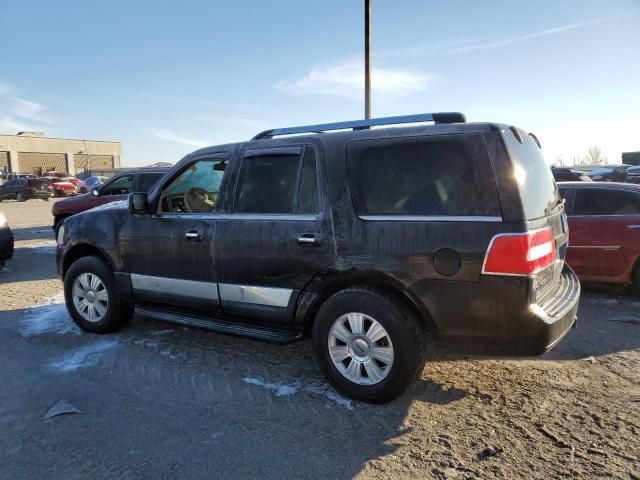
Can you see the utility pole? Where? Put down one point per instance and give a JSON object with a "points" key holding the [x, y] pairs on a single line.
{"points": [[367, 58]]}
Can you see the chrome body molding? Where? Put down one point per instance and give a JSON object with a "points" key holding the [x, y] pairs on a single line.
{"points": [[175, 286], [269, 296], [226, 292], [602, 247], [431, 218]]}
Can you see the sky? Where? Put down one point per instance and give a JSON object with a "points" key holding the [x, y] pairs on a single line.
{"points": [[165, 78]]}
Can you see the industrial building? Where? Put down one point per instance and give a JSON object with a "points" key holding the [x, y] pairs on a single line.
{"points": [[32, 152]]}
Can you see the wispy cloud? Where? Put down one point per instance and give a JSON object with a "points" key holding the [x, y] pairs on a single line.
{"points": [[29, 109], [346, 79], [225, 121], [472, 44], [521, 38], [19, 113], [174, 137]]}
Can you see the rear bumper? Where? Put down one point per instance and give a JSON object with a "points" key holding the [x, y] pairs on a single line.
{"points": [[529, 331], [39, 194]]}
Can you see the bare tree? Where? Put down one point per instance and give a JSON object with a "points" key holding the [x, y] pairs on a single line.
{"points": [[594, 156]]}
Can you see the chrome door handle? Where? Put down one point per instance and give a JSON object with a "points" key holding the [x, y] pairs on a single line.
{"points": [[308, 240], [193, 235], [633, 227]]}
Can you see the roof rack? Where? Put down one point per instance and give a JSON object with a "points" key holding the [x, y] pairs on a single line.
{"points": [[443, 117]]}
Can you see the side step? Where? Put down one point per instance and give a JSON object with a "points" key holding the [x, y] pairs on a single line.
{"points": [[270, 335]]}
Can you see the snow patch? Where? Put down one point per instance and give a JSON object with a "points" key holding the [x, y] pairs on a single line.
{"points": [[46, 247], [50, 318], [281, 389], [284, 389], [85, 356]]}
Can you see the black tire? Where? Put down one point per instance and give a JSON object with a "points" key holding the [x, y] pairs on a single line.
{"points": [[46, 199], [407, 334], [117, 314], [1, 262], [635, 280], [20, 197], [83, 190]]}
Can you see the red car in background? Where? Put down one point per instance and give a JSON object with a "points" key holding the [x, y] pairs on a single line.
{"points": [[604, 231], [60, 187], [116, 188]]}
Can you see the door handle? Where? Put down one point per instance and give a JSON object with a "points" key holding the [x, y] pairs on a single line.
{"points": [[193, 235], [308, 240], [633, 227]]}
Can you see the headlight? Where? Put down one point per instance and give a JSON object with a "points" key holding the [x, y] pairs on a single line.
{"points": [[60, 238]]}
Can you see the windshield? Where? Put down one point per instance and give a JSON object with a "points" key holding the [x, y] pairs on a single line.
{"points": [[538, 189]]}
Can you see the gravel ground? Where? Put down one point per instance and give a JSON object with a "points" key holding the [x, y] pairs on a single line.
{"points": [[162, 401]]}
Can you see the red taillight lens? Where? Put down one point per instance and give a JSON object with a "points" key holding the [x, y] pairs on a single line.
{"points": [[520, 253]]}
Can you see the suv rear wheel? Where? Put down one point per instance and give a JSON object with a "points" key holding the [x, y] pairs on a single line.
{"points": [[369, 346], [91, 297]]}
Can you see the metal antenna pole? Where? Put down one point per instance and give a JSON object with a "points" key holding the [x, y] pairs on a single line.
{"points": [[367, 58]]}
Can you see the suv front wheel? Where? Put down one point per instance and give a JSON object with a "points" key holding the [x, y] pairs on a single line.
{"points": [[91, 297], [369, 345]]}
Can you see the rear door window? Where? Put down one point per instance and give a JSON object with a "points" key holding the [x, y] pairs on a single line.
{"points": [[278, 181], [446, 175], [600, 201], [119, 186], [532, 174]]}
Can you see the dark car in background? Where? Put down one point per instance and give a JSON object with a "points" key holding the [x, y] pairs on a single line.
{"points": [[21, 189], [609, 173], [633, 174], [116, 188], [604, 225], [369, 240], [6, 241], [562, 174]]}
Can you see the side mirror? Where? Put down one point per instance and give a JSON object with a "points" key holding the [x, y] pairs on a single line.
{"points": [[138, 203], [95, 192]]}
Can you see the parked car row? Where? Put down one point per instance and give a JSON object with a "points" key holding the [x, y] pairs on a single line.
{"points": [[605, 173]]}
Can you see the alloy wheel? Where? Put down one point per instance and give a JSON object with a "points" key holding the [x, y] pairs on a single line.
{"points": [[90, 297], [360, 348]]}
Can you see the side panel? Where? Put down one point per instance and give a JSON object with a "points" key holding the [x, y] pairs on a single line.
{"points": [[462, 303]]}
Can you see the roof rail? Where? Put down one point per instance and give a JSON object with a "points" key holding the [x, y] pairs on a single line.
{"points": [[443, 117]]}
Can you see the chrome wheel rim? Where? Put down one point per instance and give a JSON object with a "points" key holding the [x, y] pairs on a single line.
{"points": [[90, 297], [360, 348]]}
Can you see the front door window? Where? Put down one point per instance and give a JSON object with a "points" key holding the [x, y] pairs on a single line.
{"points": [[196, 188]]}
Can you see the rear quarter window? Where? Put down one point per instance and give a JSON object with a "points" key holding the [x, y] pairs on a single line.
{"points": [[445, 175], [533, 176]]}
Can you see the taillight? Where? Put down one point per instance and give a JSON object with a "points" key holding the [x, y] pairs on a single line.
{"points": [[520, 253]]}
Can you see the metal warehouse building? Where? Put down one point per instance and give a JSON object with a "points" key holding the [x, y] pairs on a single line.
{"points": [[32, 152]]}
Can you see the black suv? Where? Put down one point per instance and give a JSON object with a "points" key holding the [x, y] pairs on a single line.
{"points": [[369, 240], [22, 189]]}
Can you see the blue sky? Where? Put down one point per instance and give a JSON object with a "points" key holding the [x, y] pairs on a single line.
{"points": [[165, 78]]}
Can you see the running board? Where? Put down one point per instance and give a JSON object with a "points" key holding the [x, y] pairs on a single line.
{"points": [[270, 335]]}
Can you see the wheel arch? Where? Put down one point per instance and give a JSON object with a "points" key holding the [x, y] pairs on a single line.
{"points": [[306, 311], [81, 250]]}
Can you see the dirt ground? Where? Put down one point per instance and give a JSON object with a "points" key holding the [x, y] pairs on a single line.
{"points": [[163, 401]]}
